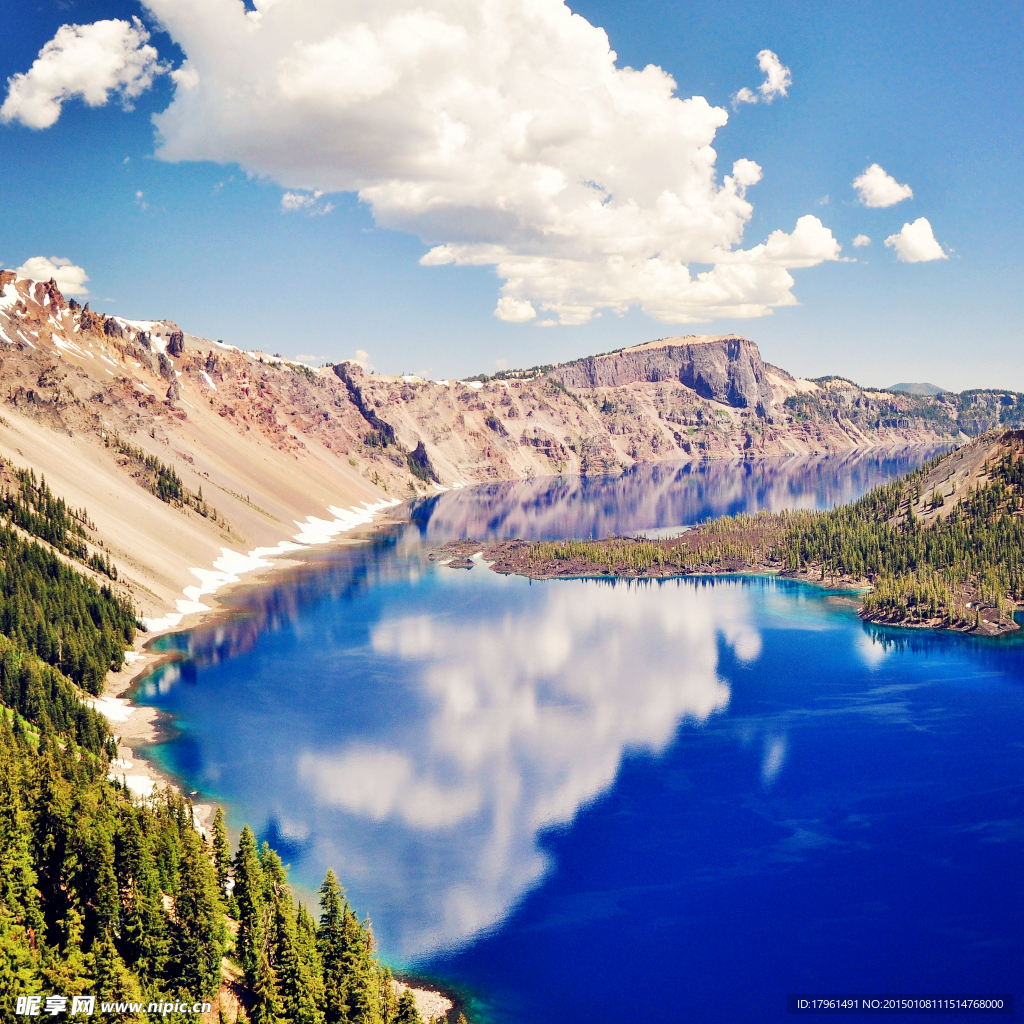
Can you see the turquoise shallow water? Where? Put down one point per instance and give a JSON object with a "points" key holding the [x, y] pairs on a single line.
{"points": [[592, 802]]}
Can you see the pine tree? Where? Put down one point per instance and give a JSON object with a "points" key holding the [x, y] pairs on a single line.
{"points": [[112, 981], [199, 933], [145, 937], [386, 988], [266, 1003], [309, 957], [407, 1012], [248, 895], [221, 849], [299, 993], [362, 995], [65, 967], [331, 944]]}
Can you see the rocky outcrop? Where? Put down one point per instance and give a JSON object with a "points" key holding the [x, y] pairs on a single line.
{"points": [[46, 293], [176, 343], [728, 370], [350, 374]]}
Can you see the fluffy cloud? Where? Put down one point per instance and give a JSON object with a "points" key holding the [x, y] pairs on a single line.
{"points": [[362, 357], [777, 80], [502, 135], [514, 311], [860, 241], [91, 61], [70, 279], [878, 189], [915, 243]]}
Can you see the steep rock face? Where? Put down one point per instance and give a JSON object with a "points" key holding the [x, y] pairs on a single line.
{"points": [[728, 370]]}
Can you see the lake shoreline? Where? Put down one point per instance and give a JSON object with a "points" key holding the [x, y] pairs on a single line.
{"points": [[512, 557], [138, 726]]}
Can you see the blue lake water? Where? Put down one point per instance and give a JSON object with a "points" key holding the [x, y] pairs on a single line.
{"points": [[581, 801]]}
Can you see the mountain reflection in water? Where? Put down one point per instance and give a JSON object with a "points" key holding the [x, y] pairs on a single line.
{"points": [[511, 707], [420, 729], [659, 494], [649, 497]]}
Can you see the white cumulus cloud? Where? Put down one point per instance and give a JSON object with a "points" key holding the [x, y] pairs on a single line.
{"points": [[503, 135], [915, 243], [777, 80], [514, 311], [70, 279], [91, 61], [745, 95], [878, 189], [860, 241]]}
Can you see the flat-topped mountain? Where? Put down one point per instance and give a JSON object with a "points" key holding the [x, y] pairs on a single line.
{"points": [[113, 411], [724, 369]]}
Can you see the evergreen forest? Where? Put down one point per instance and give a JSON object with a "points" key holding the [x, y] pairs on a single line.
{"points": [[122, 898], [962, 569]]}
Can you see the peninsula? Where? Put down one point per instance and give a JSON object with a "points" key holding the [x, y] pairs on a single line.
{"points": [[941, 548]]}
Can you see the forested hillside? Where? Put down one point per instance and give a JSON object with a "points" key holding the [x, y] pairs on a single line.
{"points": [[107, 895], [102, 894]]}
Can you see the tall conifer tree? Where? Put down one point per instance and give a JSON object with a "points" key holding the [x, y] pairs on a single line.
{"points": [[221, 849], [331, 940], [266, 1002], [199, 933], [248, 894]]}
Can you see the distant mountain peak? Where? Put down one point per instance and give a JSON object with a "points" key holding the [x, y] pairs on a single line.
{"points": [[922, 388]]}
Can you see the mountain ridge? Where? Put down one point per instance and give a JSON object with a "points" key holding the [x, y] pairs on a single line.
{"points": [[107, 408]]}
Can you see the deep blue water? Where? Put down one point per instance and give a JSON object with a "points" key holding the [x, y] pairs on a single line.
{"points": [[590, 802]]}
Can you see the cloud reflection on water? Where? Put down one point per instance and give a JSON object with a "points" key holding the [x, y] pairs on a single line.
{"points": [[529, 711]]}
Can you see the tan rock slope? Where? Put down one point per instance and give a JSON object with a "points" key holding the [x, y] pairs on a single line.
{"points": [[79, 387], [112, 411], [959, 474]]}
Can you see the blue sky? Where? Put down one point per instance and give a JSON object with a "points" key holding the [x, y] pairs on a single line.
{"points": [[931, 92]]}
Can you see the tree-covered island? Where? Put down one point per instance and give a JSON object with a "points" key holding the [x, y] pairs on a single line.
{"points": [[941, 548]]}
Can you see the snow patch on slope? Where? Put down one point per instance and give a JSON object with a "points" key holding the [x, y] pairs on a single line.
{"points": [[230, 565]]}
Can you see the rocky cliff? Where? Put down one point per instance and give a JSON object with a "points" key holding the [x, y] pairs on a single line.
{"points": [[726, 369]]}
